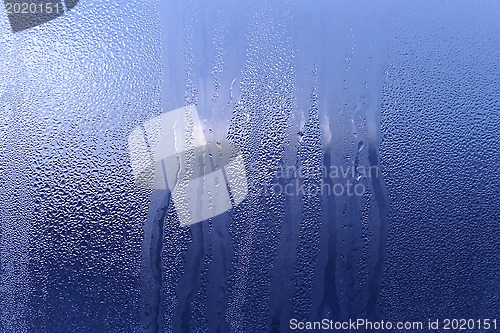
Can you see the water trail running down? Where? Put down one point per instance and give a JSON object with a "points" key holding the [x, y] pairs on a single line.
{"points": [[151, 266]]}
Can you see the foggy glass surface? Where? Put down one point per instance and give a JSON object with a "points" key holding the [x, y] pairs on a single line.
{"points": [[361, 177]]}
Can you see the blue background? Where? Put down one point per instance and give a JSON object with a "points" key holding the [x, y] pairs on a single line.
{"points": [[409, 87]]}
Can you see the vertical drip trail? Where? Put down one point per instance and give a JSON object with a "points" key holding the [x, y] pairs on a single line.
{"points": [[374, 284], [310, 160], [260, 126], [152, 271], [378, 57]]}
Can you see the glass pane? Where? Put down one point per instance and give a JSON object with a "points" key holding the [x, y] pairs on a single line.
{"points": [[249, 166]]}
